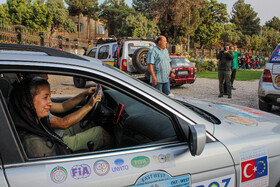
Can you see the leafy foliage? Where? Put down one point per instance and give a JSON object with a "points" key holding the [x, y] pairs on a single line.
{"points": [[4, 13], [206, 66], [245, 18], [58, 13], [274, 23], [114, 13], [212, 26], [138, 26]]}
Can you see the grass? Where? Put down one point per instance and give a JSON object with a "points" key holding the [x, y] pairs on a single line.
{"points": [[241, 75]]}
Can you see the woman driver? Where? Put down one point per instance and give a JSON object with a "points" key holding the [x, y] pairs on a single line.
{"points": [[30, 106]]}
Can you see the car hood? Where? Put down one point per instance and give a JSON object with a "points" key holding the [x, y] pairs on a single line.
{"points": [[237, 121]]}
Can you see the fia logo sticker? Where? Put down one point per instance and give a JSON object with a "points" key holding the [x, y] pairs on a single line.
{"points": [[80, 171]]}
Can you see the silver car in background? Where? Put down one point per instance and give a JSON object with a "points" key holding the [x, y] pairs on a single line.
{"points": [[158, 141], [269, 84]]}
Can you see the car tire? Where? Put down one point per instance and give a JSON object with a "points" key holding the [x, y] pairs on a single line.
{"points": [[79, 82], [139, 60], [264, 106]]}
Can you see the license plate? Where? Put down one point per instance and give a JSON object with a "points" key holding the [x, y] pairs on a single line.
{"points": [[276, 69], [183, 73]]}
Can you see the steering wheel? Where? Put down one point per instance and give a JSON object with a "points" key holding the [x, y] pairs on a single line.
{"points": [[91, 113]]}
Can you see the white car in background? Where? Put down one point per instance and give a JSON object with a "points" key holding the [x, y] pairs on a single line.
{"points": [[269, 84]]}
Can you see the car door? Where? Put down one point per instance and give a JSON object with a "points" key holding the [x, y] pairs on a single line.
{"points": [[105, 54], [164, 162]]}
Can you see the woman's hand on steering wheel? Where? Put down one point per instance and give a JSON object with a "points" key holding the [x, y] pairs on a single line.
{"points": [[92, 100]]}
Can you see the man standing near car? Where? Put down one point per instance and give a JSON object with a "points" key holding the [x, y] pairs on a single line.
{"points": [[159, 66], [225, 57]]}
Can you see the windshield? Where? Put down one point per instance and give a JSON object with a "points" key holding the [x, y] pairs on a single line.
{"points": [[132, 47], [275, 57], [180, 62]]}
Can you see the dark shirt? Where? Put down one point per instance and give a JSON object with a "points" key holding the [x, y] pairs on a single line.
{"points": [[225, 60]]}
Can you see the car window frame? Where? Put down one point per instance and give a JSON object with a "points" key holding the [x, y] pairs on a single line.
{"points": [[171, 116]]}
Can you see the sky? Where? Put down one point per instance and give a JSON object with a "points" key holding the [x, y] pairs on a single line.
{"points": [[266, 9]]}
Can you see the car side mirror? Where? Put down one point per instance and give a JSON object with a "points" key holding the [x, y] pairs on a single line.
{"points": [[194, 135], [196, 139]]}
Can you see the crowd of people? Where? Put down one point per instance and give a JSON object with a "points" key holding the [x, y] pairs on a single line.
{"points": [[248, 61]]}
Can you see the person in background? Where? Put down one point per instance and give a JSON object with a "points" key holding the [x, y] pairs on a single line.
{"points": [[159, 66], [234, 68], [202, 58], [186, 55], [243, 59], [225, 57]]}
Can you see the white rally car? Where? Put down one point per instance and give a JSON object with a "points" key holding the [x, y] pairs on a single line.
{"points": [[158, 141]]}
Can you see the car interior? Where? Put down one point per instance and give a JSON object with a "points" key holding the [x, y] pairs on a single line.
{"points": [[129, 121]]}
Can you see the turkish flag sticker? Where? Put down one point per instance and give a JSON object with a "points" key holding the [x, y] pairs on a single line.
{"points": [[254, 168], [248, 170]]}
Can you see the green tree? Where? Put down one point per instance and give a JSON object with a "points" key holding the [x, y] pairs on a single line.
{"points": [[231, 34], [20, 11], [32, 14], [177, 19], [58, 13], [245, 18], [169, 15], [143, 6], [271, 38], [4, 13], [273, 23], [215, 16], [138, 26], [114, 13], [39, 19]]}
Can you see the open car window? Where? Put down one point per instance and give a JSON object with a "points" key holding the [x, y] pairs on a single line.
{"points": [[128, 121]]}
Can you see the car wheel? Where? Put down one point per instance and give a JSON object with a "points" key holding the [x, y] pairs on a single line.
{"points": [[79, 82], [139, 60], [264, 106]]}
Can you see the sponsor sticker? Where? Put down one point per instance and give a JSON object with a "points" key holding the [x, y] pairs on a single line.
{"points": [[254, 168], [140, 161], [277, 81], [276, 56], [225, 181], [119, 166], [101, 167], [58, 174], [162, 158], [241, 120], [93, 170], [162, 178], [80, 171], [243, 111]]}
